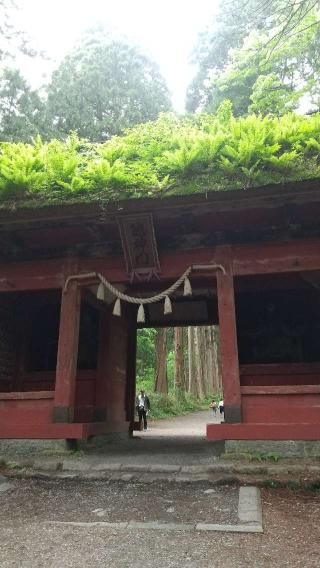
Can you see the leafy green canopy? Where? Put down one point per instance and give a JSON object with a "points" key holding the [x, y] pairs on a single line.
{"points": [[262, 55], [169, 156], [103, 87]]}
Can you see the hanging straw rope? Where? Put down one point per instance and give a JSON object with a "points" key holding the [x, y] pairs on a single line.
{"points": [[184, 279]]}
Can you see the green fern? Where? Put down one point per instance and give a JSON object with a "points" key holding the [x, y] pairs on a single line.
{"points": [[177, 154]]}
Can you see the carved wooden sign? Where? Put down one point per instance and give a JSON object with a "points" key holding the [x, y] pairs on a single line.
{"points": [[139, 245]]}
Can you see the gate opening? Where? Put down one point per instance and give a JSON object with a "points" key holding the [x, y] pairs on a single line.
{"points": [[179, 370]]}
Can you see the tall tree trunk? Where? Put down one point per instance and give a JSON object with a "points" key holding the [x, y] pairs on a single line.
{"points": [[192, 386], [161, 382], [199, 362], [179, 371], [217, 378], [208, 348], [185, 358]]}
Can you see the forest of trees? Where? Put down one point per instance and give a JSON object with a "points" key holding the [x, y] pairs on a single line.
{"points": [[263, 56], [180, 360]]}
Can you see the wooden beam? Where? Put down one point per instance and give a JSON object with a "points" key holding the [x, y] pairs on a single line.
{"points": [[294, 431], [280, 369], [64, 397], [296, 256], [228, 341], [31, 395], [281, 389]]}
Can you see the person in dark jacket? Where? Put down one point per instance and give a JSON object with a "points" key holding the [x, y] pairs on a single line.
{"points": [[143, 407]]}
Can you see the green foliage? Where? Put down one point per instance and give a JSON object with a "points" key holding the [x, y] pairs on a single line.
{"points": [[163, 406], [264, 57], [171, 155], [103, 87], [145, 363], [21, 109], [261, 456], [272, 79], [253, 456], [226, 31]]}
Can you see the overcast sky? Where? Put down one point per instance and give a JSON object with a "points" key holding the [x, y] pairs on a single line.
{"points": [[166, 30]]}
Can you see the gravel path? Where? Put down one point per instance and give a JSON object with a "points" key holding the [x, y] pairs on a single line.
{"points": [[180, 440], [193, 424]]}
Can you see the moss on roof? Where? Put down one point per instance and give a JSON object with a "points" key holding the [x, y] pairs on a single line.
{"points": [[171, 156]]}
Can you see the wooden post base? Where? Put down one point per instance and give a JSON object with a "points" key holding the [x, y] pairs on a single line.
{"points": [[232, 414], [63, 414], [99, 415]]}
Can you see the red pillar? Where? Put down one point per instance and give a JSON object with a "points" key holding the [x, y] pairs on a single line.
{"points": [[131, 371], [117, 375], [228, 343], [64, 396], [101, 393]]}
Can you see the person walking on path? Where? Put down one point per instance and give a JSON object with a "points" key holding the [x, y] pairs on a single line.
{"points": [[143, 407], [213, 406], [221, 407]]}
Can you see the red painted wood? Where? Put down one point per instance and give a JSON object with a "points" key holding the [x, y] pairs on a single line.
{"points": [[33, 275], [85, 395], [131, 372], [55, 431], [280, 369], [276, 257], [43, 431], [25, 412], [39, 381], [284, 408], [116, 370], [281, 431], [246, 260], [274, 380], [38, 395], [228, 335], [281, 389], [101, 393], [280, 374], [68, 347]]}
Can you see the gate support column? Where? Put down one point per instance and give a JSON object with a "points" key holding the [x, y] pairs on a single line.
{"points": [[228, 342], [64, 396], [101, 394]]}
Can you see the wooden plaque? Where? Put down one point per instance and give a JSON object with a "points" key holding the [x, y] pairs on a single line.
{"points": [[139, 245]]}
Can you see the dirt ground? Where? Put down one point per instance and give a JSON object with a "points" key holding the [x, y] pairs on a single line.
{"points": [[86, 501], [291, 535]]}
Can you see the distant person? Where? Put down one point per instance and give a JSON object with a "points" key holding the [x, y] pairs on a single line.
{"points": [[221, 406], [213, 406], [143, 407]]}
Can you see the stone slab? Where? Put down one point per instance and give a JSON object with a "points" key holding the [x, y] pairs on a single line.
{"points": [[44, 465], [249, 505], [165, 468], [194, 469], [76, 465], [105, 466], [185, 478], [248, 528], [120, 476], [135, 467], [160, 525], [106, 524], [5, 486], [284, 448]]}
